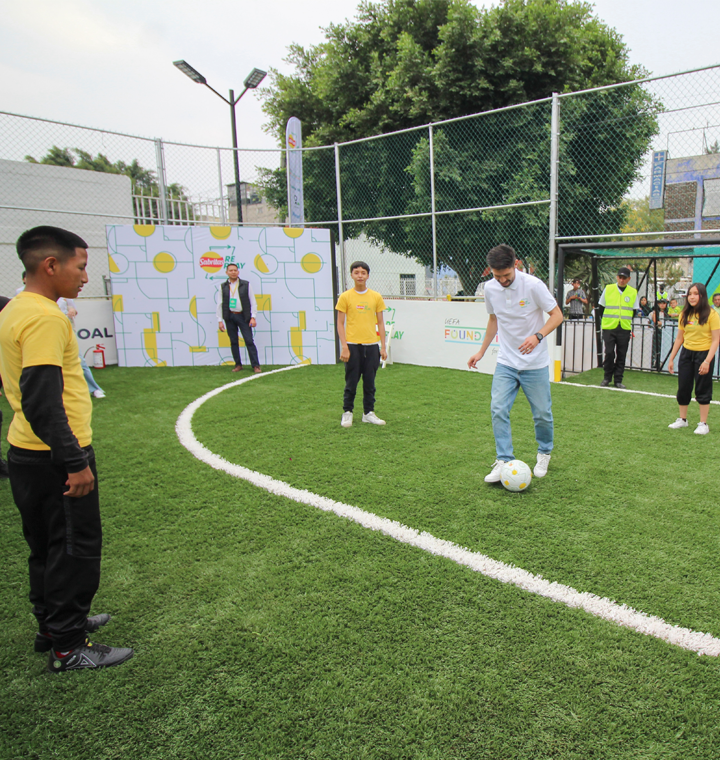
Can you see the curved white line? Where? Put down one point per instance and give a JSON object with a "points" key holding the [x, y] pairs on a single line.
{"points": [[650, 625]]}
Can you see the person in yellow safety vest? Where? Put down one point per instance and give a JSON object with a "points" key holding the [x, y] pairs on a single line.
{"points": [[619, 303], [662, 295]]}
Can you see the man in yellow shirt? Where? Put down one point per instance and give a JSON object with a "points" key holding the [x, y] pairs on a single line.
{"points": [[359, 309], [51, 460]]}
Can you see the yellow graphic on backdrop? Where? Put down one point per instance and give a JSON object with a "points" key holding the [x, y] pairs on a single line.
{"points": [[114, 268], [144, 230], [220, 233], [150, 341], [311, 263], [260, 264], [293, 232], [264, 302], [164, 262], [117, 303]]}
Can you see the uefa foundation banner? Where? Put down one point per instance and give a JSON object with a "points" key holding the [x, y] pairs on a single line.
{"points": [[166, 285]]}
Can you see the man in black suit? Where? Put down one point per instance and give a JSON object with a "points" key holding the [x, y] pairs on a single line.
{"points": [[236, 310]]}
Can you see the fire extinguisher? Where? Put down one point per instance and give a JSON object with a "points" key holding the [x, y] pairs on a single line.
{"points": [[99, 357]]}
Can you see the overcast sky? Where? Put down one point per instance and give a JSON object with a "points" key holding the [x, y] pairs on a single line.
{"points": [[108, 63]]}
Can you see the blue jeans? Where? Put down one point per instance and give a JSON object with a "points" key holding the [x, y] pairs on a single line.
{"points": [[89, 379], [536, 387]]}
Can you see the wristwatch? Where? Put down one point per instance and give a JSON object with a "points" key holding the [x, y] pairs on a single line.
{"points": [[539, 336]]}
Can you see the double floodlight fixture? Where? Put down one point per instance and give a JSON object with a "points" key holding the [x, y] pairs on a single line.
{"points": [[189, 71], [251, 82]]}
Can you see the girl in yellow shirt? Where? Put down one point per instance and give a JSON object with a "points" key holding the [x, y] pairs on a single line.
{"points": [[699, 335]]}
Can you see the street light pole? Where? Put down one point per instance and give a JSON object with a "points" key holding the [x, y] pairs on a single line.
{"points": [[253, 80], [236, 164]]}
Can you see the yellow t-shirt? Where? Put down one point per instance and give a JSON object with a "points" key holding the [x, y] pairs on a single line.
{"points": [[361, 310], [34, 332], [699, 337], [674, 312]]}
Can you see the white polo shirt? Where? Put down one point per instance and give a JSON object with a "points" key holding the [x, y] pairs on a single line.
{"points": [[520, 310]]}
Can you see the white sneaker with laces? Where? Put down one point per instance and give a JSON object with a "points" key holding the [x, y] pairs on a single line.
{"points": [[346, 420], [494, 475], [99, 394], [679, 423], [702, 428], [541, 468], [372, 418]]}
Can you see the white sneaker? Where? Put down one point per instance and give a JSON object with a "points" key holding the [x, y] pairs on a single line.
{"points": [[541, 468], [99, 394], [679, 423], [372, 418], [494, 475], [346, 420], [702, 429]]}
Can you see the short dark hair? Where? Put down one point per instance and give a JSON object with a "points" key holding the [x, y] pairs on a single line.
{"points": [[231, 264], [37, 244], [501, 257], [358, 265], [577, 279], [714, 295]]}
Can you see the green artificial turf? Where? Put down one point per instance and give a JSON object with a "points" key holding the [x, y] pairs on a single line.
{"points": [[264, 628]]}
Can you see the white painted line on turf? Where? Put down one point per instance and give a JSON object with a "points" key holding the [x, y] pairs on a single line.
{"points": [[622, 390], [702, 643]]}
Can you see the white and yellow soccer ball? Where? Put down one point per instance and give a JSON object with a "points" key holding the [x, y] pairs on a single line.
{"points": [[515, 476]]}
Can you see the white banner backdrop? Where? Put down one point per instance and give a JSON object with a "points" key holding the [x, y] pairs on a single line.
{"points": [[94, 326], [166, 284], [440, 334], [444, 334]]}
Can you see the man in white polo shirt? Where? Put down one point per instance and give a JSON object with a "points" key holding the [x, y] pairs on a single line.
{"points": [[516, 304]]}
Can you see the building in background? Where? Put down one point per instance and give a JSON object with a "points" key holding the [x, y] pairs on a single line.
{"points": [[74, 199]]}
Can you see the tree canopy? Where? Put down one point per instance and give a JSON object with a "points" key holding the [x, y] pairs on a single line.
{"points": [[404, 63]]}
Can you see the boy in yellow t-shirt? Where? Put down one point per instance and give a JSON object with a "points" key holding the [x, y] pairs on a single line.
{"points": [[359, 310], [674, 310], [51, 461]]}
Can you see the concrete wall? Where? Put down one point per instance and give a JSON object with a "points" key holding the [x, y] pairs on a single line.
{"points": [[37, 193]]}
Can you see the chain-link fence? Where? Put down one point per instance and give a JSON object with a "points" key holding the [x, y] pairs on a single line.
{"points": [[422, 206]]}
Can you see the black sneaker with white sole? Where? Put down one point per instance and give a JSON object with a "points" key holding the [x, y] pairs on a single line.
{"points": [[43, 641], [88, 655]]}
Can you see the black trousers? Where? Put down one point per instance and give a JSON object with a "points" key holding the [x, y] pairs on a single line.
{"points": [[688, 369], [616, 343], [364, 362], [65, 540], [237, 321]]}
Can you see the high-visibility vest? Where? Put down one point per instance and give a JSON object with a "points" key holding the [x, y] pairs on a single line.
{"points": [[662, 296], [618, 307]]}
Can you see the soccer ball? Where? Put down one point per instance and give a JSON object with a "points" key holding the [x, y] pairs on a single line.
{"points": [[515, 475]]}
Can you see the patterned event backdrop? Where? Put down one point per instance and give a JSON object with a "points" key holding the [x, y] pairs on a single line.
{"points": [[166, 284]]}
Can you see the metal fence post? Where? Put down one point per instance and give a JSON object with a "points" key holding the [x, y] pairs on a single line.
{"points": [[341, 234], [554, 160], [222, 202], [160, 161], [432, 209], [556, 363]]}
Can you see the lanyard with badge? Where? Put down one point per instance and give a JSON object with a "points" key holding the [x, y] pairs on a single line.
{"points": [[233, 296]]}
